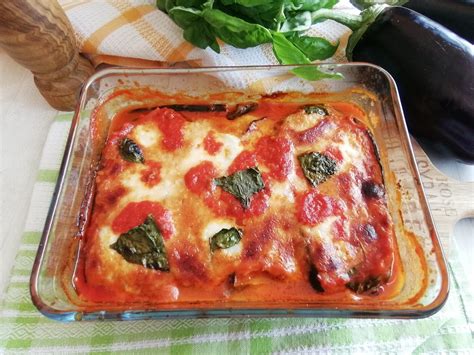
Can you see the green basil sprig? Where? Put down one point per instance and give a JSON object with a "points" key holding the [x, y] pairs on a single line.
{"points": [[131, 151], [249, 23], [317, 167], [143, 245], [225, 238], [242, 184]]}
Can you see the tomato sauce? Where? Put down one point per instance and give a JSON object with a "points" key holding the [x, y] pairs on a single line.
{"points": [[313, 207], [281, 257], [227, 205], [276, 153], [246, 159], [199, 179], [135, 214], [275, 111], [310, 135], [171, 124], [211, 145], [151, 175]]}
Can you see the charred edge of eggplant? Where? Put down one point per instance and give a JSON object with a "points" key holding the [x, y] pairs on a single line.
{"points": [[241, 109], [374, 145], [197, 108], [189, 108], [143, 110], [313, 279], [371, 285], [253, 125], [377, 152], [370, 189], [371, 137], [231, 279]]}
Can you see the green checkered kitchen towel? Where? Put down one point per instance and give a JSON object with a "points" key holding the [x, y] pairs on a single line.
{"points": [[24, 329]]}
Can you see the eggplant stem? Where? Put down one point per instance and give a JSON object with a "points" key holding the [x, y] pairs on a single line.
{"points": [[351, 21], [368, 16]]}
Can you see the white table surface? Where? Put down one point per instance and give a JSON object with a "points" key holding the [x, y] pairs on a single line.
{"points": [[25, 119]]}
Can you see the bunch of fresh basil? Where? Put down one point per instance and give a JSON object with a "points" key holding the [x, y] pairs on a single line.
{"points": [[249, 23]]}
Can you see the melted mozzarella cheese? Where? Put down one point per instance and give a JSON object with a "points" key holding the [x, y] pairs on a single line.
{"points": [[351, 152], [146, 135], [323, 235], [301, 121], [174, 165], [107, 236], [322, 231], [230, 150], [169, 186], [195, 135], [281, 191], [109, 256]]}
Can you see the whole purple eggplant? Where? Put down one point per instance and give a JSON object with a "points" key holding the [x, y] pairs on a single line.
{"points": [[434, 71], [456, 15]]}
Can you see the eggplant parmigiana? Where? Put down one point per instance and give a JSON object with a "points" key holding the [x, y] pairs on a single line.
{"points": [[262, 200]]}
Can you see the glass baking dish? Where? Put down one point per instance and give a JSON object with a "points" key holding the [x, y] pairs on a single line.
{"points": [[425, 286]]}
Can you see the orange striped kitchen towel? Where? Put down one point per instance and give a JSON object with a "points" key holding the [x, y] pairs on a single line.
{"points": [[136, 33]]}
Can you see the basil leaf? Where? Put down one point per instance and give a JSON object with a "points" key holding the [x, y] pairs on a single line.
{"points": [[235, 31], [130, 151], [313, 73], [317, 167], [246, 3], [242, 184], [269, 14], [225, 238], [300, 22], [249, 23], [143, 245], [313, 5], [315, 48], [161, 4], [190, 3], [286, 52], [196, 30], [316, 109], [169, 4], [184, 16], [200, 34]]}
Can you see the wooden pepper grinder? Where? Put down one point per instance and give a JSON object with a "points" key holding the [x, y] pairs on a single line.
{"points": [[38, 35]]}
